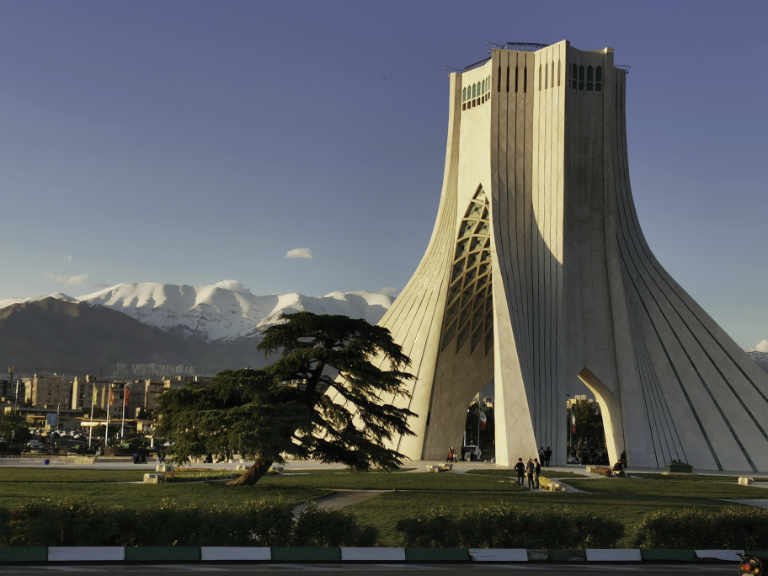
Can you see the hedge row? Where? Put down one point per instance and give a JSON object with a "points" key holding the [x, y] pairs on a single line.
{"points": [[508, 528], [49, 523], [251, 524], [732, 528]]}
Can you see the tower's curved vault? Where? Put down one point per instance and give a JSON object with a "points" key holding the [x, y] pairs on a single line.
{"points": [[469, 311], [537, 276]]}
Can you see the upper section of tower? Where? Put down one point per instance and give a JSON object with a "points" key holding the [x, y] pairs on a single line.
{"points": [[523, 68]]}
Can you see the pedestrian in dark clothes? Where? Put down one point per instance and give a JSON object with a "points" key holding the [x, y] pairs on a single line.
{"points": [[529, 468], [520, 469], [537, 472]]}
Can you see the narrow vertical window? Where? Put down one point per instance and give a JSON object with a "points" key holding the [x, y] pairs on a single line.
{"points": [[498, 79], [552, 74], [574, 76], [474, 90], [558, 72], [539, 77], [464, 94], [516, 71], [507, 78], [581, 77], [546, 78], [525, 79], [590, 78], [599, 79]]}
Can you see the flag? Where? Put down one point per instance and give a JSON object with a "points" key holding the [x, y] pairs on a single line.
{"points": [[126, 395], [483, 421]]}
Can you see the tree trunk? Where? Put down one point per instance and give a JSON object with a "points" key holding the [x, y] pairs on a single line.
{"points": [[253, 474]]}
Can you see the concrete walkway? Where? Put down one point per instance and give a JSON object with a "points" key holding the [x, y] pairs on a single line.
{"points": [[339, 499], [757, 503]]}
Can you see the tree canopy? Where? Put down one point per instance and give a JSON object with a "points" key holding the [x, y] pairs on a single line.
{"points": [[331, 396]]}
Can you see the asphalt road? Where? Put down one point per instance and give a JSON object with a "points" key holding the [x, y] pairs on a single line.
{"points": [[369, 569]]}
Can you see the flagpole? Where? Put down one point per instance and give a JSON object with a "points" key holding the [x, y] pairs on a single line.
{"points": [[122, 424], [90, 428], [106, 425]]}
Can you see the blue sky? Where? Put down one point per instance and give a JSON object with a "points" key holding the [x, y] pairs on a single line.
{"points": [[191, 142]]}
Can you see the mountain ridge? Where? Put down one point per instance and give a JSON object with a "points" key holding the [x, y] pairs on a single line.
{"points": [[225, 310]]}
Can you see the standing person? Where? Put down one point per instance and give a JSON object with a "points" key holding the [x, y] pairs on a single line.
{"points": [[520, 469], [542, 455], [548, 455], [537, 472], [529, 471]]}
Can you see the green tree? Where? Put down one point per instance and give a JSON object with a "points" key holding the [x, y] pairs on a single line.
{"points": [[14, 431], [588, 439], [324, 398]]}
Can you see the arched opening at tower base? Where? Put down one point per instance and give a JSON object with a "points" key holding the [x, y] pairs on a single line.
{"points": [[479, 441], [585, 446]]}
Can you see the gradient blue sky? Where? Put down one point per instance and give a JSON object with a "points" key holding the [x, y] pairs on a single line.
{"points": [[189, 142]]}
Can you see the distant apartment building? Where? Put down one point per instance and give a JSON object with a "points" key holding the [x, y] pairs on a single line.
{"points": [[82, 392], [48, 391]]}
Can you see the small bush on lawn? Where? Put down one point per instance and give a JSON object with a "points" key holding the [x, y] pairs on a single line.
{"points": [[491, 528], [317, 527], [48, 523], [733, 527]]}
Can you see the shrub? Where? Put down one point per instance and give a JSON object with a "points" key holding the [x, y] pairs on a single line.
{"points": [[733, 527], [48, 523], [315, 527], [490, 528]]}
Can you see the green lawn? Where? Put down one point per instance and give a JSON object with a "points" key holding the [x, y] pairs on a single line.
{"points": [[625, 499], [419, 481], [414, 493], [117, 488]]}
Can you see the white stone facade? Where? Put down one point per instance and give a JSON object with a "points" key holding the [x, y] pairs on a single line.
{"points": [[538, 273]]}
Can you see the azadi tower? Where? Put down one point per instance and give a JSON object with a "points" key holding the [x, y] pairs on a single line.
{"points": [[538, 274]]}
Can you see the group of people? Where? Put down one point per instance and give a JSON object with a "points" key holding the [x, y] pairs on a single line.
{"points": [[531, 470]]}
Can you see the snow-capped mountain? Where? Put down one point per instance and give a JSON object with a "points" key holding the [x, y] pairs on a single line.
{"points": [[56, 295], [227, 309]]}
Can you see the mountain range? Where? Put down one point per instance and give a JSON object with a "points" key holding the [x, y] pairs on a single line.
{"points": [[146, 328], [139, 327]]}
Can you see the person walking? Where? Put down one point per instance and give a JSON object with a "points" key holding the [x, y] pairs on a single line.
{"points": [[547, 455], [529, 470], [537, 472], [520, 469]]}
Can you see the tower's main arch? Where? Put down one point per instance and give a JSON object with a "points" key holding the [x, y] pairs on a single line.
{"points": [[537, 274]]}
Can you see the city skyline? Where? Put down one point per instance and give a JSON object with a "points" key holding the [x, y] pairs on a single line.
{"points": [[255, 144]]}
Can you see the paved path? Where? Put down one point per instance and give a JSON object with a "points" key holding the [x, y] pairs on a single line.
{"points": [[757, 503], [339, 499], [368, 569]]}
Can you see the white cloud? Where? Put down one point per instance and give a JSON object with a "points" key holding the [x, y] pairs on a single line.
{"points": [[762, 346], [301, 253], [76, 280], [389, 291]]}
